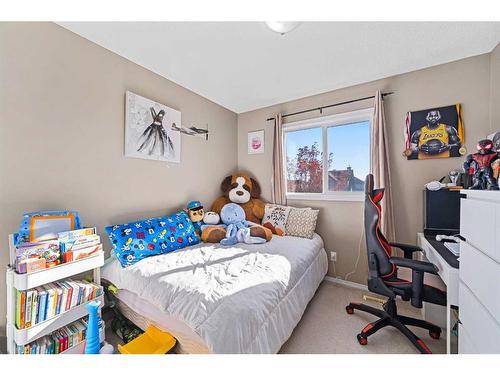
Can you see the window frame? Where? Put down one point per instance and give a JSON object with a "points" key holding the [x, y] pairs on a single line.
{"points": [[325, 122]]}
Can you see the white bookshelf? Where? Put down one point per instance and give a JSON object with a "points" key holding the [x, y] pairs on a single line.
{"points": [[26, 281]]}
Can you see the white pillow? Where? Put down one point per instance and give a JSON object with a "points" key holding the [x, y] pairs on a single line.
{"points": [[275, 218]]}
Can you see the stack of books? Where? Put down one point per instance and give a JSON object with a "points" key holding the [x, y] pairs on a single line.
{"points": [[36, 305], [59, 340], [79, 244], [35, 256], [67, 247]]}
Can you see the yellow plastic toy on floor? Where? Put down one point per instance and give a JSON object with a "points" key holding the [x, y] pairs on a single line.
{"points": [[153, 341]]}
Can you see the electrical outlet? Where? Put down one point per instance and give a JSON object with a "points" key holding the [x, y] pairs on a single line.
{"points": [[333, 256]]}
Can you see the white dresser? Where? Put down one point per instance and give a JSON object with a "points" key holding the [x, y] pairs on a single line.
{"points": [[479, 273]]}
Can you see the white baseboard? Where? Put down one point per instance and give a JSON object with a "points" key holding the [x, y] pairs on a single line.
{"points": [[347, 283]]}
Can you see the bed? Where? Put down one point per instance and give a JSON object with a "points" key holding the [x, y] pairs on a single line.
{"points": [[216, 299]]}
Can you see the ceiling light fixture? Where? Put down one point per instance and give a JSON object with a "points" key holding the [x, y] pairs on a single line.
{"points": [[282, 27]]}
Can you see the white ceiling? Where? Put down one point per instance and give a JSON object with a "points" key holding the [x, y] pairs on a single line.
{"points": [[243, 65]]}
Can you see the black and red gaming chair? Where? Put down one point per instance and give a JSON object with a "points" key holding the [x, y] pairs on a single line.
{"points": [[383, 278]]}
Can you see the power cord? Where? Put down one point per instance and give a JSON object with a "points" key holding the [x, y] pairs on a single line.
{"points": [[359, 255]]}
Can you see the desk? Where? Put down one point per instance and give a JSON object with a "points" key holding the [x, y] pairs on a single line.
{"points": [[449, 277]]}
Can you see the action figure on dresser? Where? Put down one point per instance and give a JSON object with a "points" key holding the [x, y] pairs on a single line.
{"points": [[478, 166]]}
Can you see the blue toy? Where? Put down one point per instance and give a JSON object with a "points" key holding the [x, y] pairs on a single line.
{"points": [[92, 345], [237, 228]]}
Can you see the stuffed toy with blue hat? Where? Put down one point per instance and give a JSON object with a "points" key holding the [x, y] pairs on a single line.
{"points": [[195, 212]]}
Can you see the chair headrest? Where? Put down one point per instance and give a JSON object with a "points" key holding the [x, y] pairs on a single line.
{"points": [[369, 184], [376, 195]]}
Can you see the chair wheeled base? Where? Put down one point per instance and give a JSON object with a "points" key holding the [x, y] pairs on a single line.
{"points": [[389, 317]]}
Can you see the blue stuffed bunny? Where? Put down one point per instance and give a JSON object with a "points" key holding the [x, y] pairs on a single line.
{"points": [[237, 228]]}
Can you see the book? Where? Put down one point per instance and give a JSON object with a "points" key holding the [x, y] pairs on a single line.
{"points": [[57, 342], [86, 291], [29, 305], [71, 235], [60, 296], [50, 345], [34, 256], [92, 290], [65, 339], [20, 308], [60, 339], [70, 296], [80, 242], [70, 334], [34, 307], [42, 301], [39, 292], [33, 264], [85, 252], [81, 330], [65, 291], [59, 299], [75, 289], [49, 311], [43, 343]]}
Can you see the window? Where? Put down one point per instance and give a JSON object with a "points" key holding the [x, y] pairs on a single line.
{"points": [[328, 158]]}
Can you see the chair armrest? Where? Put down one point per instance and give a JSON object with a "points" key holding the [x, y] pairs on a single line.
{"points": [[407, 249], [418, 268], [416, 265]]}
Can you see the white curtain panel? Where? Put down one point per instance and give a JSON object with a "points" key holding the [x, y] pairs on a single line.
{"points": [[380, 166], [278, 180]]}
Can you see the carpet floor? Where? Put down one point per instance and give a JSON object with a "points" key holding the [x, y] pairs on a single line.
{"points": [[327, 328]]}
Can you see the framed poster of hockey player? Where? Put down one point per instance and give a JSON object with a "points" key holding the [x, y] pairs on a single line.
{"points": [[434, 133]]}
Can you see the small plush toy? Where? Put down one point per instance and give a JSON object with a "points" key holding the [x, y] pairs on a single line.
{"points": [[237, 228], [211, 218], [195, 212]]}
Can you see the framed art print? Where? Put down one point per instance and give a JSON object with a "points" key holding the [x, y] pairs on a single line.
{"points": [[435, 133], [256, 142], [148, 130]]}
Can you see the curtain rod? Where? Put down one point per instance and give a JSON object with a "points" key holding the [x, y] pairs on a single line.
{"points": [[320, 109]]}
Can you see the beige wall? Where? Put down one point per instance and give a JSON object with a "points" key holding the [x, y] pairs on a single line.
{"points": [[466, 81], [495, 88], [62, 135]]}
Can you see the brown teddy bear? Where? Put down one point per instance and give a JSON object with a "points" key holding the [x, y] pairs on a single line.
{"points": [[245, 191]]}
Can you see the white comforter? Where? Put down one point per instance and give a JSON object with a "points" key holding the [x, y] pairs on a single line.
{"points": [[239, 299]]}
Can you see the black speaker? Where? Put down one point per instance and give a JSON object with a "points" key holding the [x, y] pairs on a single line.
{"points": [[441, 212]]}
